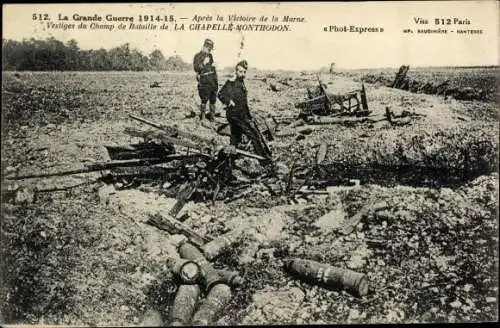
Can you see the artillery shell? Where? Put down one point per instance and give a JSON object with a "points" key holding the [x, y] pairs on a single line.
{"points": [[231, 278], [185, 303], [219, 245], [187, 270], [211, 277], [216, 246], [190, 252], [215, 302], [354, 282]]}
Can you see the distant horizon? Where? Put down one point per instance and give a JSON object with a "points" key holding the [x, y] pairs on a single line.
{"points": [[176, 54], [259, 69]]}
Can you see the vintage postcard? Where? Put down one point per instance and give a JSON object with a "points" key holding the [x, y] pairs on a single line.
{"points": [[239, 163]]}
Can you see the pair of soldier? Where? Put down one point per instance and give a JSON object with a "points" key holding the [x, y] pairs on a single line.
{"points": [[233, 95]]}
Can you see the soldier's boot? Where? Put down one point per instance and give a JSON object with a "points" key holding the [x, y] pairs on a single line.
{"points": [[211, 115], [203, 108]]}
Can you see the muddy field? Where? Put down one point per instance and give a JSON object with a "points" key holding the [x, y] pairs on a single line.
{"points": [[78, 251]]}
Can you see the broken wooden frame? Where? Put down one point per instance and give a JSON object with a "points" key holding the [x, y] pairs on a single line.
{"points": [[320, 102], [325, 108]]}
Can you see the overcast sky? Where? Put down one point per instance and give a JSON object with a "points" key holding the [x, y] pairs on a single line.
{"points": [[306, 46]]}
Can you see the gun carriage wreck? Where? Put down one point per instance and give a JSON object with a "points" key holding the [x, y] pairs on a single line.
{"points": [[321, 107]]}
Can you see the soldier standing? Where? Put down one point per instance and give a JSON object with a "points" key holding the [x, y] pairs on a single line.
{"points": [[206, 75], [234, 96]]}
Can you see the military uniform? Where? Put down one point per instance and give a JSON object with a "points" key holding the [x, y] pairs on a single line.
{"points": [[206, 76], [238, 116]]}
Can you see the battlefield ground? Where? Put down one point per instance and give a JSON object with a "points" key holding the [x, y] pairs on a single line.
{"points": [[77, 251]]}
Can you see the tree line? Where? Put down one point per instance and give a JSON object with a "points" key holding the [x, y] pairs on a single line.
{"points": [[54, 55]]}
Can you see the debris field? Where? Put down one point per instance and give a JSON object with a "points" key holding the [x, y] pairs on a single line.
{"points": [[120, 209]]}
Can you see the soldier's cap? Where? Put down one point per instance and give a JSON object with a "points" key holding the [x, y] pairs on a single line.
{"points": [[208, 43], [243, 64]]}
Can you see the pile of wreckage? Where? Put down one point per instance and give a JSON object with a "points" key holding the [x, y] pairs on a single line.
{"points": [[322, 107], [191, 168], [204, 173]]}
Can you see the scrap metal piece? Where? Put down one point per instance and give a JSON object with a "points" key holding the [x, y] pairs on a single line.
{"points": [[364, 102], [234, 150], [184, 194], [167, 223], [101, 166], [165, 138], [258, 141], [139, 150]]}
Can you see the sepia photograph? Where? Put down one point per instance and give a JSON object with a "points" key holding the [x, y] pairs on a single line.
{"points": [[273, 163]]}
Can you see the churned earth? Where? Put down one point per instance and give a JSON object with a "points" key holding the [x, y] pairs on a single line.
{"points": [[78, 251]]}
